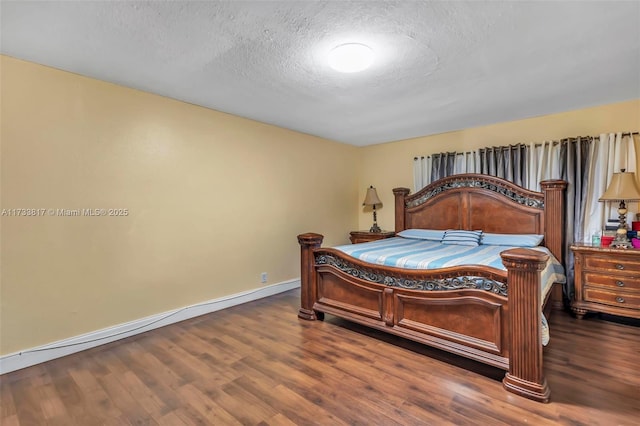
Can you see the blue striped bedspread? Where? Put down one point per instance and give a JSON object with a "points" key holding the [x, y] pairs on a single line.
{"points": [[425, 254]]}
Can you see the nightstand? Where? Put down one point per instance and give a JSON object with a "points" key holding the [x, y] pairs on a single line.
{"points": [[365, 236], [606, 280]]}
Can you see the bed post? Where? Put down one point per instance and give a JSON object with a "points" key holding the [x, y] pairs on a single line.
{"points": [[554, 216], [525, 376], [308, 290], [554, 230], [400, 193]]}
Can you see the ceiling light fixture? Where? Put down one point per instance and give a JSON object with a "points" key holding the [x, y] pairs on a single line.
{"points": [[351, 57]]}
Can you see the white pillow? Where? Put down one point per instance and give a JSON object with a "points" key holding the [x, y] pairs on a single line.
{"points": [[422, 234], [462, 237], [513, 240]]}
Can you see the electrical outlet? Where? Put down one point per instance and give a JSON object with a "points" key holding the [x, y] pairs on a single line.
{"points": [[263, 277]]}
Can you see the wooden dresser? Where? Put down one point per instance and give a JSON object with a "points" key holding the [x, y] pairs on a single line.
{"points": [[606, 280], [365, 236]]}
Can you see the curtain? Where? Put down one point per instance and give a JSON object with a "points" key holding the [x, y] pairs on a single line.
{"points": [[609, 153], [586, 163], [507, 162], [421, 172], [525, 165], [465, 162], [574, 168], [544, 163], [446, 164], [442, 165]]}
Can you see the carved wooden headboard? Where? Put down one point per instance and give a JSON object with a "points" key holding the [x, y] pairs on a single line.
{"points": [[488, 203]]}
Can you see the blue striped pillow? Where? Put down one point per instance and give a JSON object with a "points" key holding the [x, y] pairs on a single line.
{"points": [[422, 234], [462, 237]]}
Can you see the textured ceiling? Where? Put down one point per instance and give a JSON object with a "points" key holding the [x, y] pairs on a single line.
{"points": [[440, 66]]}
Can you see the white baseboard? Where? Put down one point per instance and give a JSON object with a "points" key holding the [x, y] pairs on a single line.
{"points": [[37, 355]]}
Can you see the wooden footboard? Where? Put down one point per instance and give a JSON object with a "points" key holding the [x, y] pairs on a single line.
{"points": [[484, 325]]}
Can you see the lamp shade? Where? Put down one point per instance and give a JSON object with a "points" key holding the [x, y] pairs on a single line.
{"points": [[371, 199], [622, 187]]}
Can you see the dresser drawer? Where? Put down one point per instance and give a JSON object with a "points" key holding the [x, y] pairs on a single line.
{"points": [[612, 263], [617, 281], [620, 299]]}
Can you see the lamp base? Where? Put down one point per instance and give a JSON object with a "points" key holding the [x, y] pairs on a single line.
{"points": [[621, 240], [375, 228]]}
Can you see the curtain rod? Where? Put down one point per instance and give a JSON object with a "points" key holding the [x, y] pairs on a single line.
{"points": [[519, 145]]}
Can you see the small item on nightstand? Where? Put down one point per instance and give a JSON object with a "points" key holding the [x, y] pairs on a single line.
{"points": [[611, 225], [605, 241], [635, 242], [595, 239]]}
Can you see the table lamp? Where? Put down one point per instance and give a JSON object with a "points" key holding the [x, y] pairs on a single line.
{"points": [[622, 188], [371, 199]]}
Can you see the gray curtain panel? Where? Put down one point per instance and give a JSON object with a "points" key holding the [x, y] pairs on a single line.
{"points": [[574, 168], [508, 162], [442, 165]]}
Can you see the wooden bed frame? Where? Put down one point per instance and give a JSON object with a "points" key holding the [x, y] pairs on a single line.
{"points": [[494, 326]]}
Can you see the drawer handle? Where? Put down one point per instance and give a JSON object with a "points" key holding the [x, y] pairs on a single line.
{"points": [[619, 283], [619, 266], [620, 299]]}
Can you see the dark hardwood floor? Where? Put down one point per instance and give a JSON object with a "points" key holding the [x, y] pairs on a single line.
{"points": [[258, 364]]}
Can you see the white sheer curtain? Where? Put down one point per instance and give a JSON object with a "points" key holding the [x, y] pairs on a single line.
{"points": [[421, 172], [544, 163], [466, 162], [609, 154]]}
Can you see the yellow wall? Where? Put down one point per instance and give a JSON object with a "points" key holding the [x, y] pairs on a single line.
{"points": [[390, 165], [213, 201]]}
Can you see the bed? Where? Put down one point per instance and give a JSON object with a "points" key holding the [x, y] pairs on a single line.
{"points": [[484, 313]]}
